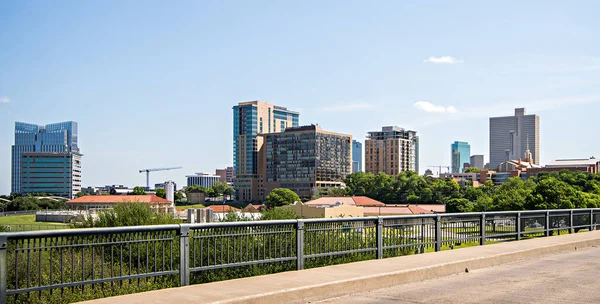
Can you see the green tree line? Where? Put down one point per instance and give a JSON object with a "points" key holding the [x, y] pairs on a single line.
{"points": [[557, 190]]}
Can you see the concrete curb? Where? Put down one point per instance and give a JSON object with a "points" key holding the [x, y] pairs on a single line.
{"points": [[344, 279], [307, 294]]}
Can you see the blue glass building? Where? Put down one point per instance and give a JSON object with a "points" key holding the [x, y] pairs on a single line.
{"points": [[356, 156], [461, 154], [30, 138]]}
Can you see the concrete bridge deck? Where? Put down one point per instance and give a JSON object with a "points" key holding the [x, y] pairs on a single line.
{"points": [[334, 281]]}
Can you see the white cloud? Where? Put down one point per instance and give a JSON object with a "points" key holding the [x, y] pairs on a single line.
{"points": [[4, 99], [431, 108], [347, 107], [443, 60]]}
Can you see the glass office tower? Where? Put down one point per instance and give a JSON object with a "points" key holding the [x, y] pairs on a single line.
{"points": [[356, 156], [461, 155], [30, 138]]}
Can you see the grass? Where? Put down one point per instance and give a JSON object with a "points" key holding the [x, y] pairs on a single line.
{"points": [[184, 207], [27, 222]]}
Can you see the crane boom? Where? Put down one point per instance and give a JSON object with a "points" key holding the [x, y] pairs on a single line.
{"points": [[154, 170]]}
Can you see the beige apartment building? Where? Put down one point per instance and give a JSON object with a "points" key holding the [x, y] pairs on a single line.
{"points": [[392, 150]]}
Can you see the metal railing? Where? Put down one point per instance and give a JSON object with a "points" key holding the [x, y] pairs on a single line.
{"points": [[79, 264]]}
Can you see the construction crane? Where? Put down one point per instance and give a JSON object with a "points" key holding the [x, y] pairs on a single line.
{"points": [[153, 170], [439, 167]]}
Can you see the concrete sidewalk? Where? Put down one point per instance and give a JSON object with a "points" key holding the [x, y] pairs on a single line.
{"points": [[333, 281]]}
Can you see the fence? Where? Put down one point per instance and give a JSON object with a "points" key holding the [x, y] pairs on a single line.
{"points": [[11, 213], [79, 264]]}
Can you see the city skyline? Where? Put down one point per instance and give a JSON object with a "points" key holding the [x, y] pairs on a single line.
{"points": [[129, 86]]}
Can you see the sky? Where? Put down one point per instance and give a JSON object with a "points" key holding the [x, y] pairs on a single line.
{"points": [[152, 83]]}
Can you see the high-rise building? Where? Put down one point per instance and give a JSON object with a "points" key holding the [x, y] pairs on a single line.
{"points": [[460, 154], [392, 150], [226, 175], [357, 153], [205, 180], [510, 136], [58, 137], [477, 161], [53, 173], [303, 159], [250, 119]]}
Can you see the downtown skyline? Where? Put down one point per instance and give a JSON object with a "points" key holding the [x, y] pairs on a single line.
{"points": [[146, 96]]}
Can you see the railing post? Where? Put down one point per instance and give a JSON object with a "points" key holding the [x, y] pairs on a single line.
{"points": [[379, 237], [300, 245], [3, 268], [184, 255], [438, 233], [547, 223], [518, 225], [592, 226], [482, 229], [571, 228]]}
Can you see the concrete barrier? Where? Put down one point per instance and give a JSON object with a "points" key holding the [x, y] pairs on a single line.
{"points": [[339, 280]]}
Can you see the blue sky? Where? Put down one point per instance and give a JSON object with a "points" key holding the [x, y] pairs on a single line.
{"points": [[152, 83]]}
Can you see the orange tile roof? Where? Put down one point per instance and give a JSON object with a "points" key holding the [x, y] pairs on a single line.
{"points": [[222, 208], [346, 200], [366, 201], [108, 199]]}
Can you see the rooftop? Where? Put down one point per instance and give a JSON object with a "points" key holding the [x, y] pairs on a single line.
{"points": [[573, 162], [107, 199], [347, 200]]}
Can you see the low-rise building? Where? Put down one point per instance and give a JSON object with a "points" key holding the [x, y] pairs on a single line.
{"points": [[195, 196], [109, 201], [337, 210], [388, 210], [361, 201]]}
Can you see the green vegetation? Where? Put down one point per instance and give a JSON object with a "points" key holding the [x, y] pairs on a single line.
{"points": [[160, 192], [31, 202], [195, 206], [472, 170], [281, 197], [128, 214], [138, 191], [560, 190]]}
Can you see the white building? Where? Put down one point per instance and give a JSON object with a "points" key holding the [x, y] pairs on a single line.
{"points": [[202, 179]]}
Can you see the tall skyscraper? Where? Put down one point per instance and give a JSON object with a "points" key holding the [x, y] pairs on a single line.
{"points": [[53, 138], [477, 161], [391, 151], [356, 156], [510, 135], [460, 154], [250, 119], [303, 159]]}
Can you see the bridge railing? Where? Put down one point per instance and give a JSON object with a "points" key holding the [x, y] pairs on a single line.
{"points": [[79, 264]]}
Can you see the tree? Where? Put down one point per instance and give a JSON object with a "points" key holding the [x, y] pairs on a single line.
{"points": [[179, 196], [472, 170], [281, 197], [80, 194], [219, 188], [195, 187], [229, 192], [161, 193], [138, 191]]}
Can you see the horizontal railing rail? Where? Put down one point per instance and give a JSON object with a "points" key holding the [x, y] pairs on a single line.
{"points": [[78, 264]]}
